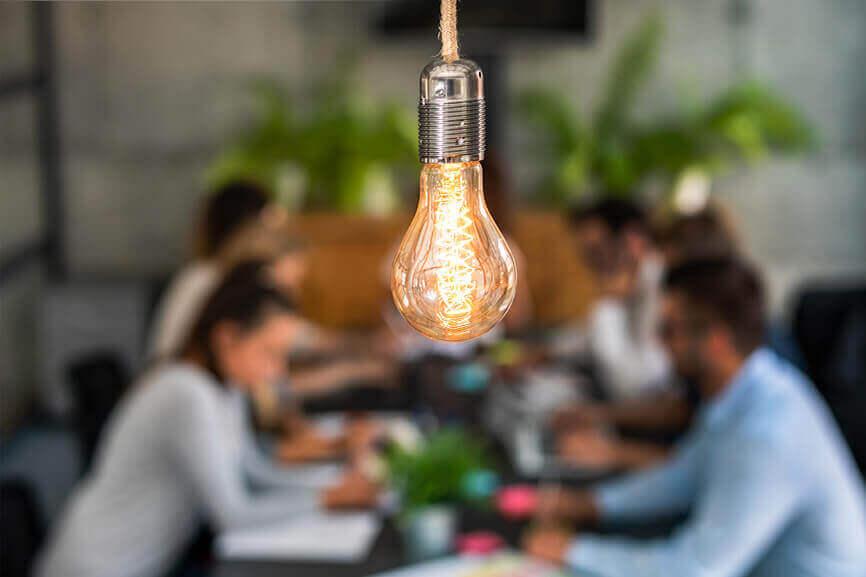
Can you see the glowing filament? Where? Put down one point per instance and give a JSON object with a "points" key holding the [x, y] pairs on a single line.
{"points": [[454, 252]]}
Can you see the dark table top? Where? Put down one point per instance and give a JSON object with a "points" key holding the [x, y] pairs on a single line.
{"points": [[387, 552]]}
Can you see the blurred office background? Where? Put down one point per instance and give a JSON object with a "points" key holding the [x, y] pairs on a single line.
{"points": [[116, 117]]}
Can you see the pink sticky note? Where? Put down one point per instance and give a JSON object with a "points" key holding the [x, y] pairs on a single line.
{"points": [[517, 501], [479, 543]]}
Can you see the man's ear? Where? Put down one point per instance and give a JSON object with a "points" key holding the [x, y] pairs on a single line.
{"points": [[719, 341]]}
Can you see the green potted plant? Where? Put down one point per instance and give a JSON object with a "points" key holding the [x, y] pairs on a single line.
{"points": [[431, 478], [614, 153], [335, 150]]}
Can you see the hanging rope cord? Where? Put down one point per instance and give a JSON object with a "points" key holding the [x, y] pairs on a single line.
{"points": [[448, 30]]}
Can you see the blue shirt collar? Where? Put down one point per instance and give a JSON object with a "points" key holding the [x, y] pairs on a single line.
{"points": [[741, 386]]}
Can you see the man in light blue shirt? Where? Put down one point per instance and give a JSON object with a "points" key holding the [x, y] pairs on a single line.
{"points": [[769, 484]]}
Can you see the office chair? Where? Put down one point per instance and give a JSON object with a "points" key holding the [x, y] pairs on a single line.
{"points": [[830, 327], [97, 381], [21, 527]]}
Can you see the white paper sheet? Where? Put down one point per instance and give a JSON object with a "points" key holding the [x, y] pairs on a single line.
{"points": [[498, 565], [332, 537], [316, 476], [332, 424]]}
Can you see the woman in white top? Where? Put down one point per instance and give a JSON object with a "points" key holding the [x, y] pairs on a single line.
{"points": [[227, 213], [238, 224], [614, 240], [178, 451]]}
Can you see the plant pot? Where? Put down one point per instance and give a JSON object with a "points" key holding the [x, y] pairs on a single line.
{"points": [[429, 532]]}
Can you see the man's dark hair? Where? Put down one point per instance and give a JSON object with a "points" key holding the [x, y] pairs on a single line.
{"points": [[727, 290], [705, 234], [246, 298], [228, 209], [616, 214]]}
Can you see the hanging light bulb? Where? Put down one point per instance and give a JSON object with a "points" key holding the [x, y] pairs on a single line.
{"points": [[454, 276]]}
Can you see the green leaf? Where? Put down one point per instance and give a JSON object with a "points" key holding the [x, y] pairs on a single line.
{"points": [[550, 113], [436, 473], [564, 150], [751, 120], [337, 144], [632, 67]]}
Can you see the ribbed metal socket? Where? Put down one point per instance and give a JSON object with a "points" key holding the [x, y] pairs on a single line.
{"points": [[451, 112]]}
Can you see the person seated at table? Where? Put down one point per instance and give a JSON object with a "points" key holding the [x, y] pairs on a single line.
{"points": [[666, 412], [238, 223], [613, 238], [286, 259], [226, 211], [351, 360], [276, 404], [765, 476], [708, 232], [179, 449]]}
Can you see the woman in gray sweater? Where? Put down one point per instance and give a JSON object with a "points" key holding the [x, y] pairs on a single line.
{"points": [[178, 450]]}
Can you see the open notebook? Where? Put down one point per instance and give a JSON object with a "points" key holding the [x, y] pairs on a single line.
{"points": [[306, 538]]}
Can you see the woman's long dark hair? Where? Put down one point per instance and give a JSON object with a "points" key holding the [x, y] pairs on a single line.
{"points": [[245, 298], [226, 211]]}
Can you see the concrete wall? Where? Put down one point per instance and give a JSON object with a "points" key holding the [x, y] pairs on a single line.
{"points": [[19, 223], [800, 218], [150, 90]]}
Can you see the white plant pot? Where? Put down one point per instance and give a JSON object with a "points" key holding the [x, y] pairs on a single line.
{"points": [[429, 532]]}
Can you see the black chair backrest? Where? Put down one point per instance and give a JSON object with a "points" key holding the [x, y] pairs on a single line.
{"points": [[97, 382], [21, 527], [819, 319], [830, 328]]}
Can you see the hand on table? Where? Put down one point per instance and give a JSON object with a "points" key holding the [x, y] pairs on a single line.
{"points": [[556, 503], [354, 491], [578, 416], [361, 435], [295, 423], [371, 372], [550, 544], [591, 448], [309, 445], [595, 449]]}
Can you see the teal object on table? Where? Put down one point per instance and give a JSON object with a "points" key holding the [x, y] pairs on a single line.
{"points": [[469, 378], [480, 484]]}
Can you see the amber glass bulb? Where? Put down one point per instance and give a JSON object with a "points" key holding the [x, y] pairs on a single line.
{"points": [[454, 276]]}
